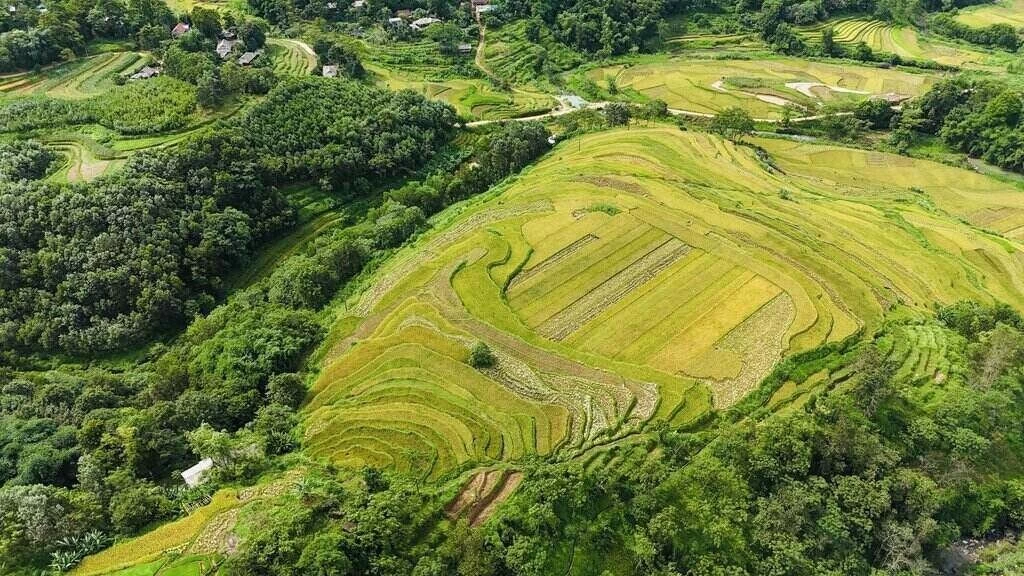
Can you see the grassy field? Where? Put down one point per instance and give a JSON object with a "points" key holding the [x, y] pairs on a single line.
{"points": [[903, 41], [80, 78], [636, 275], [761, 86], [1002, 12]]}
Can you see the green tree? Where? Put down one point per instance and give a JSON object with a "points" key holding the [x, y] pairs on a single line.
{"points": [[734, 123], [448, 36], [617, 113], [480, 356]]}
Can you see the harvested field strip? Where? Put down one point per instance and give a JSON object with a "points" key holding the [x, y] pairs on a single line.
{"points": [[618, 231], [689, 312], [560, 288], [550, 262], [663, 298], [589, 306], [473, 280], [472, 498], [725, 310], [758, 344], [498, 495], [664, 290]]}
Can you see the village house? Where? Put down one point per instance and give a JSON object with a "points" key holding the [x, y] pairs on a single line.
{"points": [[423, 23], [224, 48], [395, 21], [330, 71], [180, 30], [465, 48], [146, 73], [359, 4], [195, 475], [249, 57]]}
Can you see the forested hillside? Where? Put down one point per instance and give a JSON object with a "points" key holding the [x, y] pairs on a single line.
{"points": [[98, 266]]}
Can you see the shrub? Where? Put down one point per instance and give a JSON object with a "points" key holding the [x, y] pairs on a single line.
{"points": [[481, 356]]}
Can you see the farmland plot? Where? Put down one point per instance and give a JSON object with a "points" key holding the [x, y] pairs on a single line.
{"points": [[762, 87], [905, 42], [690, 284], [77, 79], [1003, 12]]}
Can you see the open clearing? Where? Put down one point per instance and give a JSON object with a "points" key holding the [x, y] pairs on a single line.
{"points": [[695, 284], [1002, 12], [761, 87], [904, 41]]}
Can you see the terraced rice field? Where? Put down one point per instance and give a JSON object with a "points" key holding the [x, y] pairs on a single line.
{"points": [[689, 294], [82, 163], [76, 79], [921, 352], [1002, 12], [762, 87], [903, 41], [291, 57], [472, 98], [190, 546]]}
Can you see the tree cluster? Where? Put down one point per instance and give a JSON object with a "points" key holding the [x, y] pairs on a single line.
{"points": [[149, 107], [981, 118], [30, 37], [997, 35], [24, 160], [97, 266], [603, 28]]}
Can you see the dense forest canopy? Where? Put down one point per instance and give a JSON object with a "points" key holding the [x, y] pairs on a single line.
{"points": [[94, 267], [34, 34]]}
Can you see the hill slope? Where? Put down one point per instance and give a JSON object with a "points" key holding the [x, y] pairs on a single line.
{"points": [[628, 273]]}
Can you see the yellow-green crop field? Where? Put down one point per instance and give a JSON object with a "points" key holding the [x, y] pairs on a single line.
{"points": [[642, 275], [472, 98], [80, 78], [193, 545], [904, 41], [1002, 12], [762, 87], [291, 57]]}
